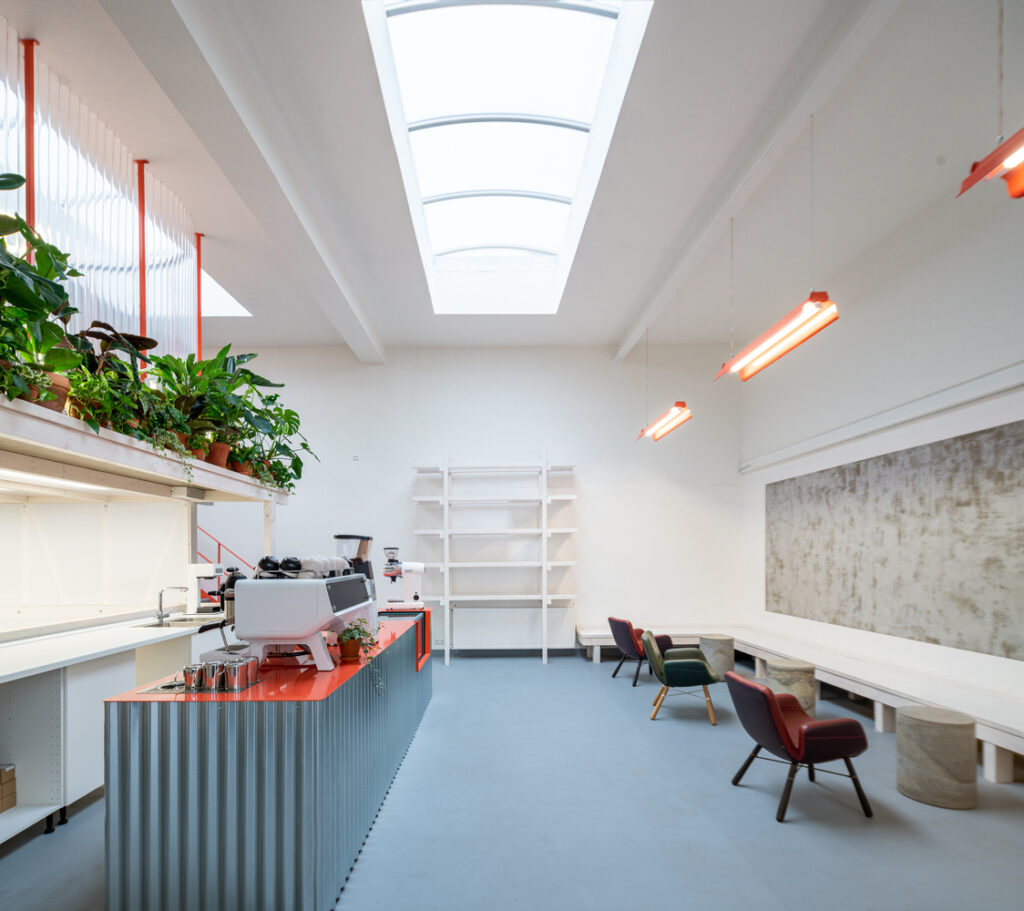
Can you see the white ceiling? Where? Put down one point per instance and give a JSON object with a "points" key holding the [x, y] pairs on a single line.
{"points": [[267, 121]]}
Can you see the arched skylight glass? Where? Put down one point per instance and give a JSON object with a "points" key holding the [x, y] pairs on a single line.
{"points": [[502, 112]]}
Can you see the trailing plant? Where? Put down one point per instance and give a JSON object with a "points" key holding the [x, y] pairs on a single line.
{"points": [[367, 638]]}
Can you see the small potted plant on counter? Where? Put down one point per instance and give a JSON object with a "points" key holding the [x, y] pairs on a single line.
{"points": [[356, 639]]}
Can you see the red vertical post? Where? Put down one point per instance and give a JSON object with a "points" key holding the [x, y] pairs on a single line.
{"points": [[29, 44], [141, 165], [199, 305]]}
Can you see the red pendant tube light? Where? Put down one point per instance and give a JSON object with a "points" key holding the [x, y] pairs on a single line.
{"points": [[676, 415], [1006, 160], [813, 315]]}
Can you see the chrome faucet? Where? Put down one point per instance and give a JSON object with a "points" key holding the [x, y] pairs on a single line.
{"points": [[160, 615]]}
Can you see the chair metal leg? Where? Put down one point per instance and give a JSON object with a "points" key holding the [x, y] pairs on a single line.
{"points": [[810, 771], [864, 805], [711, 708], [746, 765], [784, 802], [617, 666], [650, 670], [636, 676], [658, 702]]}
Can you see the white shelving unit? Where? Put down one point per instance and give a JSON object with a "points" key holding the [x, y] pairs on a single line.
{"points": [[97, 524], [473, 490]]}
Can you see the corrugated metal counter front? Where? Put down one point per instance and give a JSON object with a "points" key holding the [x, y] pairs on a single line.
{"points": [[260, 800]]}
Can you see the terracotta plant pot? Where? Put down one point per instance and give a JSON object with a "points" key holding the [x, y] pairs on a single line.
{"points": [[81, 411], [200, 454], [59, 386], [349, 651], [182, 437], [218, 454], [242, 468]]}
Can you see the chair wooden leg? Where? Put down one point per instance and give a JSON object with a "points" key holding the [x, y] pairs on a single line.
{"points": [[784, 802], [617, 666], [711, 708], [658, 702], [639, 664], [810, 771], [864, 805], [738, 777]]}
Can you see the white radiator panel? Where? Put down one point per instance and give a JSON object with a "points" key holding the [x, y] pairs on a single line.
{"points": [[511, 628]]}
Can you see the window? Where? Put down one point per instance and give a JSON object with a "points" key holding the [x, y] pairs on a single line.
{"points": [[502, 113]]}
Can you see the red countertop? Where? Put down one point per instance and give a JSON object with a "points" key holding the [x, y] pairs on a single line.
{"points": [[281, 680]]}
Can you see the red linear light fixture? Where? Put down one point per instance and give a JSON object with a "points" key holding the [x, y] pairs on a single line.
{"points": [[677, 415], [813, 315], [1005, 161]]}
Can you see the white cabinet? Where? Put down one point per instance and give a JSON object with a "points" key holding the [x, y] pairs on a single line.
{"points": [[86, 686], [502, 540]]}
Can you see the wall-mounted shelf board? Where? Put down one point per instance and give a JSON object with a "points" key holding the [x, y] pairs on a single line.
{"points": [[510, 564], [435, 532], [562, 497], [552, 564], [562, 531], [495, 531], [49, 444], [493, 501], [429, 501]]}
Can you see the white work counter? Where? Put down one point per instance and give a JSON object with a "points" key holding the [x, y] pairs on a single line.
{"points": [[26, 657]]}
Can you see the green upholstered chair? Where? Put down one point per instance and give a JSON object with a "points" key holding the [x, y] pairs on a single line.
{"points": [[680, 667]]}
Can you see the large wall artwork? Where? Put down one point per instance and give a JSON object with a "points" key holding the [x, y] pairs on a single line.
{"points": [[926, 543]]}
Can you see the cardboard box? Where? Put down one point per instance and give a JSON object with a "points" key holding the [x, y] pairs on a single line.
{"points": [[7, 803], [7, 789], [6, 772]]}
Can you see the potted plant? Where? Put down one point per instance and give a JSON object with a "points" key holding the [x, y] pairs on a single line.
{"points": [[355, 640], [34, 312]]}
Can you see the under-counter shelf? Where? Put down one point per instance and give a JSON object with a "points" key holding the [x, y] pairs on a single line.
{"points": [[90, 466]]}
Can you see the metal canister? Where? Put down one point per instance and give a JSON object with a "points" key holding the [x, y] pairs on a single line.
{"points": [[195, 676], [236, 675], [254, 669], [214, 671]]}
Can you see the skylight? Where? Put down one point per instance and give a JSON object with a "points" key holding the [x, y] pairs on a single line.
{"points": [[502, 112]]}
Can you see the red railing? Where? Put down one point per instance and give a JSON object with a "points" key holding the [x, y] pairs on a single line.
{"points": [[221, 548]]}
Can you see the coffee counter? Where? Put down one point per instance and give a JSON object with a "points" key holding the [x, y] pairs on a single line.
{"points": [[259, 799]]}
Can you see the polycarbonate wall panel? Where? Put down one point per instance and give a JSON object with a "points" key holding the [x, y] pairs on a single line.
{"points": [[86, 204], [171, 305], [12, 122]]}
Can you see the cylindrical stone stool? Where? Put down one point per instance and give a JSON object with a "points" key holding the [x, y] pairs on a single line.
{"points": [[795, 677], [937, 761], [719, 652]]}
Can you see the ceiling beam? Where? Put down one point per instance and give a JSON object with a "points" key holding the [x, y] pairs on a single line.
{"points": [[844, 48], [274, 179]]}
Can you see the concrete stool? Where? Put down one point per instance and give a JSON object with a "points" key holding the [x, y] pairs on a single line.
{"points": [[794, 677], [719, 652], [937, 757]]}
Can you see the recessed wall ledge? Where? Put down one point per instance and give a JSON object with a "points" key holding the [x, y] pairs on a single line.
{"points": [[986, 386]]}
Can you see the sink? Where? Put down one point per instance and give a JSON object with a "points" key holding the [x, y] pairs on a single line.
{"points": [[188, 620]]}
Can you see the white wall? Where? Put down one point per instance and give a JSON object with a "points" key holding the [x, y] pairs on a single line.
{"points": [[656, 520], [930, 318]]}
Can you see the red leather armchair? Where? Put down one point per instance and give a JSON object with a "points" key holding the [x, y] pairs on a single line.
{"points": [[778, 724], [630, 643]]}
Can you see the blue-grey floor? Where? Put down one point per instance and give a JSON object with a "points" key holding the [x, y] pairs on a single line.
{"points": [[533, 787]]}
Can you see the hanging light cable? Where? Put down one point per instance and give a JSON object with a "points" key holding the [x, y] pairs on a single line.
{"points": [[678, 414], [1006, 160], [813, 315]]}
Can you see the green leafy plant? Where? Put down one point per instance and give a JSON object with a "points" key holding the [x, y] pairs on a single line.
{"points": [[34, 306], [360, 631]]}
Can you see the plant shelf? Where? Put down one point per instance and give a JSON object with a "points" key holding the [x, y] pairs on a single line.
{"points": [[35, 440]]}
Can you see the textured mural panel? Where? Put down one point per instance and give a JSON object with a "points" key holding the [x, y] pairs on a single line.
{"points": [[927, 543]]}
